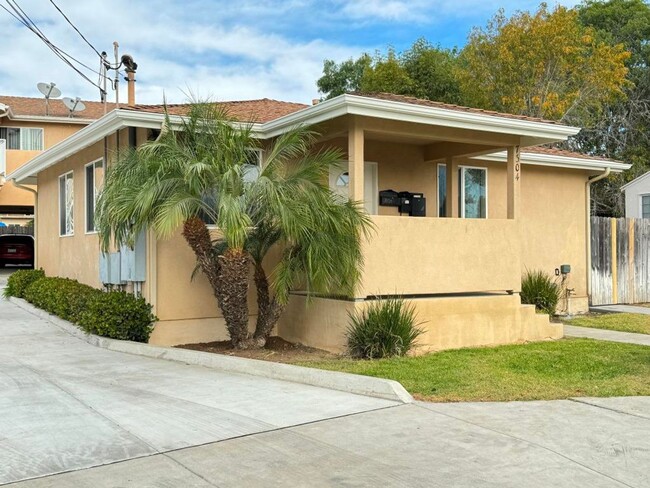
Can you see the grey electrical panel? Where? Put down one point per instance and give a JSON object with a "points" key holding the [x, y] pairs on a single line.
{"points": [[134, 260], [110, 269]]}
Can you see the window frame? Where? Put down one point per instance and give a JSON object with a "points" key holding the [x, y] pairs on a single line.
{"points": [[641, 196], [461, 191], [65, 176], [444, 165], [20, 138], [86, 166]]}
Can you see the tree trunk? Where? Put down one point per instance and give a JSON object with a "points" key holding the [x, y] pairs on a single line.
{"points": [[197, 235], [269, 310], [233, 287]]}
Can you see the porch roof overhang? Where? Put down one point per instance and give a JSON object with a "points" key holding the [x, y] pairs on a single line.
{"points": [[561, 161], [530, 132]]}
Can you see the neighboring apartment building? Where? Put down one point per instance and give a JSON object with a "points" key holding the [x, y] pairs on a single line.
{"points": [[26, 131]]}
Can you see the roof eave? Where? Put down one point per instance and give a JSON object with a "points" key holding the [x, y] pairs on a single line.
{"points": [[532, 132], [559, 161], [93, 133]]}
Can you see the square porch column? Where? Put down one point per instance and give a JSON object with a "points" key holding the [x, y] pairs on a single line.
{"points": [[452, 188], [356, 161], [514, 182]]}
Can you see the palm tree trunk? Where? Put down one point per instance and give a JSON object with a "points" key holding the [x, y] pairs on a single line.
{"points": [[233, 286], [228, 277], [197, 235], [269, 310]]}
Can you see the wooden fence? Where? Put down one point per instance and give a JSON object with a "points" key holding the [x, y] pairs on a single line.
{"points": [[620, 261], [17, 229]]}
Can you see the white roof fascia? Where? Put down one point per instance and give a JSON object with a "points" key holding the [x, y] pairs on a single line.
{"points": [[420, 114], [51, 119], [96, 131], [335, 107], [559, 161]]}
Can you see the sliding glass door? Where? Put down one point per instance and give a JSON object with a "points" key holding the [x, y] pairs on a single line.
{"points": [[473, 192]]}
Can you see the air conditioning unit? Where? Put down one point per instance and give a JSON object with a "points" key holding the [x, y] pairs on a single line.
{"points": [[3, 157]]}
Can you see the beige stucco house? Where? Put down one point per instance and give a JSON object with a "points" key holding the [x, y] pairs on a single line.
{"points": [[27, 128], [484, 204]]}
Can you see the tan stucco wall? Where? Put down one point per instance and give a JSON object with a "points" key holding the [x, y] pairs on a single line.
{"points": [[420, 256], [75, 256], [448, 322]]}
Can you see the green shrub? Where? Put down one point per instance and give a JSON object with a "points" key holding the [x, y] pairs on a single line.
{"points": [[62, 297], [20, 280], [385, 328], [118, 315], [540, 289], [114, 314]]}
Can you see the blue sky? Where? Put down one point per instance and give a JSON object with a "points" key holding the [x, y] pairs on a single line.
{"points": [[227, 50]]}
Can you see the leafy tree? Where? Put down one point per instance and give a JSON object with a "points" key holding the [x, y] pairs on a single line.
{"points": [[433, 70], [623, 129], [422, 71], [544, 64], [386, 74], [202, 173], [343, 77]]}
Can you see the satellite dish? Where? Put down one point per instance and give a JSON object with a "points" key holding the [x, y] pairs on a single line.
{"points": [[49, 90], [73, 104]]}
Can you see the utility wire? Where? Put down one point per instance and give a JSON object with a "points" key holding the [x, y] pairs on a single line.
{"points": [[75, 28], [20, 15]]}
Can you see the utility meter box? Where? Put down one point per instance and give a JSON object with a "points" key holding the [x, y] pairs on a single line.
{"points": [[109, 268], [134, 260]]}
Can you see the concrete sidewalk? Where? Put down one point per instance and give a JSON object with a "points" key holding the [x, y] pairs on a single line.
{"points": [[620, 309], [606, 335], [66, 405], [73, 415]]}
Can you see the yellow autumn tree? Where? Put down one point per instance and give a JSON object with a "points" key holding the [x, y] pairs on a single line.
{"points": [[544, 64]]}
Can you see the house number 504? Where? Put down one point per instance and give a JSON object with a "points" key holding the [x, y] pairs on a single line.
{"points": [[517, 163]]}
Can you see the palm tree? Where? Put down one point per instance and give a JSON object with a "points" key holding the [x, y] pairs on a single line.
{"points": [[200, 173]]}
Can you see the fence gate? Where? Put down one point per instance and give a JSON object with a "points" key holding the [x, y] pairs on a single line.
{"points": [[620, 261]]}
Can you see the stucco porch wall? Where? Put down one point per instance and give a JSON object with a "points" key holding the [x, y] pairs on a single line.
{"points": [[448, 322], [416, 256]]}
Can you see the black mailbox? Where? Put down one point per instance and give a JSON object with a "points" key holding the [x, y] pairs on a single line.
{"points": [[405, 202], [413, 204], [389, 198], [418, 205]]}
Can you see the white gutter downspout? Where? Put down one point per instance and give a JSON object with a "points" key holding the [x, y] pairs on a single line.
{"points": [[22, 187], [591, 180]]}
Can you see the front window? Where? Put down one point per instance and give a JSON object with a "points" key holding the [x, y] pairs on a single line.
{"points": [[94, 183], [21, 138], [645, 206], [66, 204], [473, 192]]}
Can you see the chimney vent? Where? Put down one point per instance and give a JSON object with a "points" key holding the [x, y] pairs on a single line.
{"points": [[315, 101]]}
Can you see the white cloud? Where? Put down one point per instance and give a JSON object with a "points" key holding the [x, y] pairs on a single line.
{"points": [[230, 50]]}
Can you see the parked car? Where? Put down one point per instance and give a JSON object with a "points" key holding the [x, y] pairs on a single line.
{"points": [[16, 249]]}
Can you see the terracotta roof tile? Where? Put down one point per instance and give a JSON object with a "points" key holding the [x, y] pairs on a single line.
{"points": [[261, 110], [429, 103], [36, 106]]}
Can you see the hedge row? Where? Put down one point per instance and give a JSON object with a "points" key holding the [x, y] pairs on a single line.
{"points": [[114, 314]]}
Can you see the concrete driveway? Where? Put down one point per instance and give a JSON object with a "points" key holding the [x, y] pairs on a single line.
{"points": [[72, 415]]}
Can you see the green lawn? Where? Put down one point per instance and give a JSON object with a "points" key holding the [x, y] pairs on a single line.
{"points": [[623, 322], [535, 371]]}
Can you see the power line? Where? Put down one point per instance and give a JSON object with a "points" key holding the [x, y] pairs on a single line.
{"points": [[22, 17], [75, 28]]}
